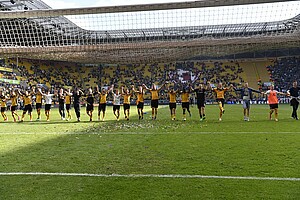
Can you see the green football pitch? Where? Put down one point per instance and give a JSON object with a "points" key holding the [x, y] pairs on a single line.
{"points": [[152, 159]]}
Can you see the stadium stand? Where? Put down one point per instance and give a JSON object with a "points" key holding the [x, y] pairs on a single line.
{"points": [[64, 74], [284, 71], [255, 70], [52, 74]]}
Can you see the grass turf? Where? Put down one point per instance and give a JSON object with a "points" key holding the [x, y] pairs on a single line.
{"points": [[232, 147]]}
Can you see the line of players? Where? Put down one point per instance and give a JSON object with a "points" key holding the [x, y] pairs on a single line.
{"points": [[65, 96]]}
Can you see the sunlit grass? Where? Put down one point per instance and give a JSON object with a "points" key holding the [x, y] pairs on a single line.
{"points": [[232, 147]]}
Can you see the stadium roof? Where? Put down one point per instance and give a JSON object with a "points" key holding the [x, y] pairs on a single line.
{"points": [[40, 32]]}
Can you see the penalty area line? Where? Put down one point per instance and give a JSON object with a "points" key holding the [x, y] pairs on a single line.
{"points": [[148, 176]]}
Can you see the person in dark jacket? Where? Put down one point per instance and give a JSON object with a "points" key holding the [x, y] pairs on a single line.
{"points": [[246, 96], [294, 93], [77, 94]]}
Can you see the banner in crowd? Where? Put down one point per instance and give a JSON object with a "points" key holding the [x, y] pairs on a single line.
{"points": [[10, 81], [6, 69], [268, 84]]}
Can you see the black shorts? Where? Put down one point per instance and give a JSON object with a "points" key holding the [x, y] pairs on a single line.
{"points": [[222, 101], [140, 105], [294, 102], [3, 109], [116, 107], [126, 106], [38, 106], [273, 106], [200, 104], [102, 107], [185, 105], [61, 106], [172, 105], [89, 107], [48, 107], [154, 103], [76, 107], [13, 108], [27, 108], [68, 106]]}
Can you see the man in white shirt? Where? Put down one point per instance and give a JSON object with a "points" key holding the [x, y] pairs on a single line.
{"points": [[116, 103], [48, 103]]}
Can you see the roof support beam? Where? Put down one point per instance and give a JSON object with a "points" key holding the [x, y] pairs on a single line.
{"points": [[131, 8]]}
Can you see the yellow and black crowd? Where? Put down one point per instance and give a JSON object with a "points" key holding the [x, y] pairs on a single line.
{"points": [[43, 87]]}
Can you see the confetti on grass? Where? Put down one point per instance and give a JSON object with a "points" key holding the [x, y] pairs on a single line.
{"points": [[133, 127]]}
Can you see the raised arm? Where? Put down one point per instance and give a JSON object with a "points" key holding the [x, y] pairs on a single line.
{"points": [[55, 92], [69, 93], [122, 90], [208, 86], [97, 89], [133, 89], [19, 92], [211, 88], [191, 88], [145, 87], [32, 92], [40, 91], [111, 89], [196, 78], [230, 87], [81, 92], [163, 85], [7, 97]]}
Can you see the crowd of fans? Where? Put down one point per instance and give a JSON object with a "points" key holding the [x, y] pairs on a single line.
{"points": [[53, 75], [137, 74], [159, 73], [284, 71], [56, 75]]}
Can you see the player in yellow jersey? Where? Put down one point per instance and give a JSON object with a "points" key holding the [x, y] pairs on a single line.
{"points": [[154, 98], [14, 104], [140, 101], [220, 93], [3, 99], [38, 103], [27, 99], [172, 102], [126, 102], [102, 103], [185, 102], [68, 103]]}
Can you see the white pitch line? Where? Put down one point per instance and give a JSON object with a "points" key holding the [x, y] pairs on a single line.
{"points": [[140, 133], [148, 176]]}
